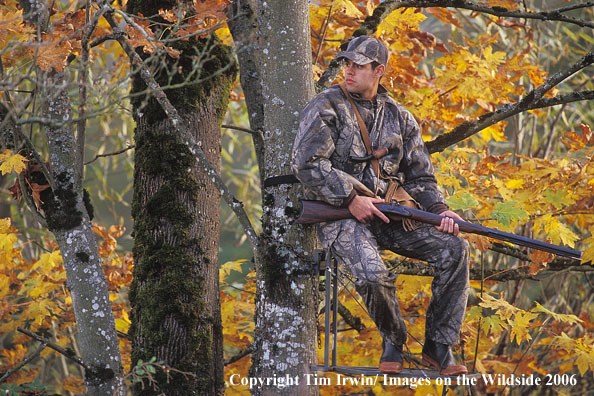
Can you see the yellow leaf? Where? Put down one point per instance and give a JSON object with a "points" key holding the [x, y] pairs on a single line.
{"points": [[514, 183], [5, 225], [588, 254], [558, 317], [12, 162], [123, 324], [229, 266], [520, 326], [504, 309], [348, 8], [75, 385], [495, 132], [225, 35]]}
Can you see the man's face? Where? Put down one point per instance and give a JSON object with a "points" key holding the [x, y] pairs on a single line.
{"points": [[362, 79]]}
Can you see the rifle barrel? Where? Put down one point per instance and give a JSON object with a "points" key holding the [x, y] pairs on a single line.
{"points": [[432, 218], [317, 211]]}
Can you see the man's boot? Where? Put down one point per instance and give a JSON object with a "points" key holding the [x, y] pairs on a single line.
{"points": [[391, 360], [440, 357]]}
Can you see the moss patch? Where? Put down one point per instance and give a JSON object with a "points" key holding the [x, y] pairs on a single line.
{"points": [[60, 209]]}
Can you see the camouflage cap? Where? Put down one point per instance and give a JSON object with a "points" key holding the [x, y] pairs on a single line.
{"points": [[364, 49]]}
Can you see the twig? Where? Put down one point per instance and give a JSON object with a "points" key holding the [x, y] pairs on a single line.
{"points": [[130, 147], [240, 355], [239, 129], [68, 353], [23, 363], [81, 126], [324, 34]]}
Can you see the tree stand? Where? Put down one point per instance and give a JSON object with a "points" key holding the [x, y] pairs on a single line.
{"points": [[331, 273]]}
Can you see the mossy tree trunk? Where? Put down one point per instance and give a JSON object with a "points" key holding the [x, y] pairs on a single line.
{"points": [[277, 80], [175, 295]]}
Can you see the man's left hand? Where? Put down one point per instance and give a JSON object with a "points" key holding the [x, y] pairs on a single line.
{"points": [[447, 223]]}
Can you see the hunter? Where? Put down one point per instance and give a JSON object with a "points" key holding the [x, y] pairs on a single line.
{"points": [[356, 146]]}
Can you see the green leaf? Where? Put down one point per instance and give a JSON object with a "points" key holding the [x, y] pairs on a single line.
{"points": [[462, 201], [557, 198], [506, 212], [492, 322]]}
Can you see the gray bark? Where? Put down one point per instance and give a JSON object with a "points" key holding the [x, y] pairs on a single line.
{"points": [[68, 220], [277, 79]]}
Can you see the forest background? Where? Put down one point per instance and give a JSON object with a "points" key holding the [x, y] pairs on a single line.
{"points": [[502, 91]]}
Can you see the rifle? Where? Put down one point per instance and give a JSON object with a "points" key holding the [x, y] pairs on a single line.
{"points": [[318, 211]]}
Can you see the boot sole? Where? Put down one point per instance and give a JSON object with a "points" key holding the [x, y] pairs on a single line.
{"points": [[447, 371]]}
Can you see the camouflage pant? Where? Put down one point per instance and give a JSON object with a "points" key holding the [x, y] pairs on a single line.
{"points": [[355, 246]]}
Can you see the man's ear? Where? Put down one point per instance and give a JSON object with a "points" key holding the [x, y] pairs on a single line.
{"points": [[380, 70]]}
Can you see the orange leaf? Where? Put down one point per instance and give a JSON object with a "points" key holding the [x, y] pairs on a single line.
{"points": [[539, 261], [53, 55], [480, 242], [75, 385], [35, 190], [211, 8]]}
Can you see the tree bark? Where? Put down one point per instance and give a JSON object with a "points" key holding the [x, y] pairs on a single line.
{"points": [[68, 220], [175, 293], [66, 216], [277, 79]]}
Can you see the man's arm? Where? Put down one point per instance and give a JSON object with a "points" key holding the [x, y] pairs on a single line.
{"points": [[314, 145]]}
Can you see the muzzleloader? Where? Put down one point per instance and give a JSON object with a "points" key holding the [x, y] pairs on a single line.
{"points": [[318, 211]]}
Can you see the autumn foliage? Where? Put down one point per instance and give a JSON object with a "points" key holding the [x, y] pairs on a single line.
{"points": [[518, 175]]}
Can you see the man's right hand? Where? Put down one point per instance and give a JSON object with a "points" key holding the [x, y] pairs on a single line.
{"points": [[363, 209]]}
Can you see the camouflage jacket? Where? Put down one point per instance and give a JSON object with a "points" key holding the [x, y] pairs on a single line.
{"points": [[329, 137]]}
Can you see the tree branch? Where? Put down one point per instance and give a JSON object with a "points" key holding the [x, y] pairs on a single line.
{"points": [[239, 129], [66, 352], [243, 353], [23, 363], [559, 264], [533, 99], [130, 147], [553, 15]]}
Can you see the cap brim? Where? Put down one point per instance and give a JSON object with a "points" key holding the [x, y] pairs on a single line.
{"points": [[355, 57]]}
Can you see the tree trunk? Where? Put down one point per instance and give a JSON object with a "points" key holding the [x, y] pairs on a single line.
{"points": [[68, 220], [175, 295], [280, 62]]}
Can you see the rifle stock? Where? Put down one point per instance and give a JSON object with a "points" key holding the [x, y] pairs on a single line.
{"points": [[318, 211]]}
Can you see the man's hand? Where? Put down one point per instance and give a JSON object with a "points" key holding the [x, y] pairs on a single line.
{"points": [[447, 223], [364, 210]]}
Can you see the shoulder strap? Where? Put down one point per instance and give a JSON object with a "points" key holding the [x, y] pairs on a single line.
{"points": [[362, 127], [364, 132]]}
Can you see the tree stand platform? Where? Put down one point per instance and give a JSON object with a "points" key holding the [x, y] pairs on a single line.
{"points": [[332, 283]]}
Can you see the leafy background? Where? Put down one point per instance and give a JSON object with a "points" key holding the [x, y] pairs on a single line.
{"points": [[532, 174]]}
